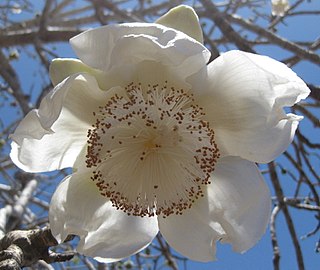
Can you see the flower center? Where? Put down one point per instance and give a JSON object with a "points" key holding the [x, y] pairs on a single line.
{"points": [[151, 152]]}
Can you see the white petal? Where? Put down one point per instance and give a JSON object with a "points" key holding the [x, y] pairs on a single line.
{"points": [[51, 137], [239, 201], [61, 68], [193, 234], [106, 234], [184, 19], [145, 72], [244, 104], [112, 46], [235, 210]]}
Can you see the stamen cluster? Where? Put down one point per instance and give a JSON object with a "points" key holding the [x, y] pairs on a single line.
{"points": [[151, 151]]}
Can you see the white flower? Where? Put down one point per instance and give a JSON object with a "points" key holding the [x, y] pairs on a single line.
{"points": [[279, 7], [159, 140], [16, 8]]}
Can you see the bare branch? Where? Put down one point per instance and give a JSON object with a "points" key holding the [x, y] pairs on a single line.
{"points": [[274, 240], [286, 44], [23, 248], [11, 77], [279, 192], [225, 26]]}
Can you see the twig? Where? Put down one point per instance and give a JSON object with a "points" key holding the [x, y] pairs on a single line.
{"points": [[165, 250], [286, 44], [283, 207], [225, 26], [274, 240], [9, 74]]}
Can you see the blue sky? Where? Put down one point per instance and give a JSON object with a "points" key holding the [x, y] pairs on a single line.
{"points": [[260, 256]]}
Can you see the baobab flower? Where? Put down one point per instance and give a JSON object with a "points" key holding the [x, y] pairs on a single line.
{"points": [[159, 140], [279, 7]]}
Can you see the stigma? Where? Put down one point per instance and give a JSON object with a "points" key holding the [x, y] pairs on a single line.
{"points": [[150, 151]]}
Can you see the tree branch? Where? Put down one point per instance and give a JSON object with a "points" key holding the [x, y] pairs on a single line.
{"points": [[24, 248], [284, 208], [286, 44], [225, 27]]}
